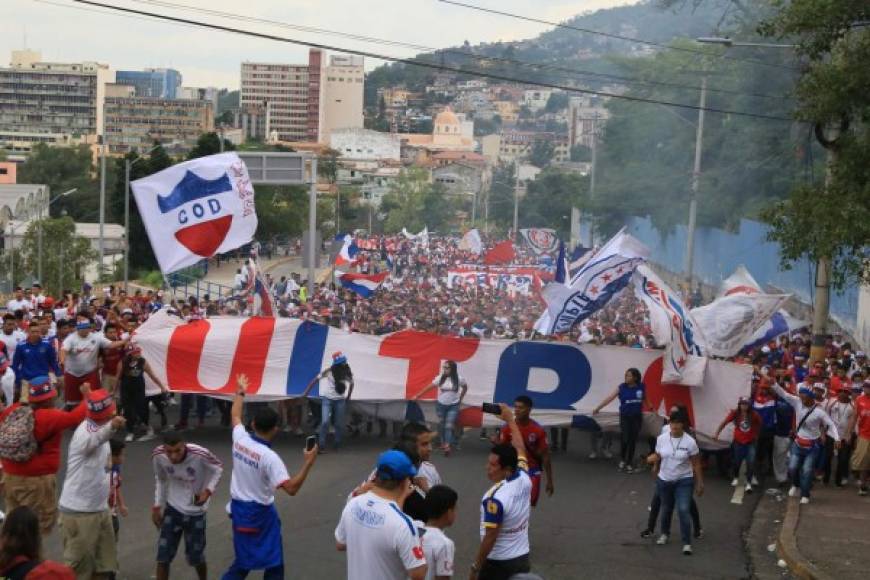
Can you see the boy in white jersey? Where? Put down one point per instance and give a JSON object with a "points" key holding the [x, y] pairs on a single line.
{"points": [[257, 473], [437, 547], [185, 476], [505, 510], [382, 542]]}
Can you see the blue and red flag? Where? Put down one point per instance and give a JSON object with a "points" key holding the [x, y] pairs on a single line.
{"points": [[363, 284]]}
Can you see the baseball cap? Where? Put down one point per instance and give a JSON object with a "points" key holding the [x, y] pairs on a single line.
{"points": [[101, 406], [395, 465], [338, 358], [806, 391]]}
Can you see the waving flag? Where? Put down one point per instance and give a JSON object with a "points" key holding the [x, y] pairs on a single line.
{"points": [[501, 253], [363, 284], [781, 322], [604, 275], [541, 240], [731, 321], [561, 265], [672, 326], [471, 242], [196, 209], [347, 255], [578, 259]]}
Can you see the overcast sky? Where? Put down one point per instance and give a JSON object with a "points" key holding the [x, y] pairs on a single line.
{"points": [[65, 31]]}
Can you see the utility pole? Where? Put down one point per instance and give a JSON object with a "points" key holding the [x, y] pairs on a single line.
{"points": [[39, 241], [127, 166], [312, 225], [592, 178], [516, 199], [696, 178], [102, 244]]}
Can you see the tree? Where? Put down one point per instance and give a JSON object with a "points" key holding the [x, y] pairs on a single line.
{"points": [[581, 153], [500, 196], [549, 199], [62, 169], [209, 144], [64, 254], [412, 202], [557, 102], [830, 220], [542, 153]]}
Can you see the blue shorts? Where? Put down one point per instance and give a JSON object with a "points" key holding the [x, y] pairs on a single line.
{"points": [[174, 525]]}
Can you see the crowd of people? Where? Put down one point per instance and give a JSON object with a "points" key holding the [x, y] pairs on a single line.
{"points": [[71, 364]]}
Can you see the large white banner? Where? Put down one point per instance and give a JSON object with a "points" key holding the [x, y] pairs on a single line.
{"points": [[280, 356], [518, 281], [196, 209]]}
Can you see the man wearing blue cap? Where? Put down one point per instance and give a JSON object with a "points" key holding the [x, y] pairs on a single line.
{"points": [[381, 541], [806, 445]]}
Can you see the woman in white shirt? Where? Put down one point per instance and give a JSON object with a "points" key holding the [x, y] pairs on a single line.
{"points": [[451, 391], [679, 473]]}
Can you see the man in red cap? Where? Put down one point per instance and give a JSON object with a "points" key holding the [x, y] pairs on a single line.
{"points": [[34, 482], [85, 520]]}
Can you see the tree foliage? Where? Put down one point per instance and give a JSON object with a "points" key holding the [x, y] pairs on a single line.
{"points": [[549, 199], [62, 169], [64, 254], [830, 219], [209, 144], [414, 203]]}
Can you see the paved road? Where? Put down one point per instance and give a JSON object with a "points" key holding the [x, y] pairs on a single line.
{"points": [[589, 529]]}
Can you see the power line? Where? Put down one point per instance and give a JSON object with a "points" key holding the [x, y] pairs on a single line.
{"points": [[605, 77], [413, 62], [614, 36]]}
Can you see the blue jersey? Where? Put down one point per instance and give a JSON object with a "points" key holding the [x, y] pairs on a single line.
{"points": [[784, 418], [631, 399], [34, 360]]}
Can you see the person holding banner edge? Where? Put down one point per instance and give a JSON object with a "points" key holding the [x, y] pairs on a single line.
{"points": [[451, 391], [632, 402], [334, 398]]}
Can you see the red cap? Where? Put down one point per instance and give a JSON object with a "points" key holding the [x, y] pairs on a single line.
{"points": [[101, 406]]}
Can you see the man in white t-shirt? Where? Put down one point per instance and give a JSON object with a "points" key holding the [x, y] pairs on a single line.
{"points": [[437, 547], [7, 379], [380, 540], [18, 302], [505, 510], [257, 473], [79, 358], [11, 335]]}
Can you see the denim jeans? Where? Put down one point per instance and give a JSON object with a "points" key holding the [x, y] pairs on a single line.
{"points": [[744, 451], [334, 409], [677, 493], [188, 401], [447, 415], [802, 465]]}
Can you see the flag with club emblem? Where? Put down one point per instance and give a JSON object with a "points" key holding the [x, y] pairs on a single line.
{"points": [[196, 209]]}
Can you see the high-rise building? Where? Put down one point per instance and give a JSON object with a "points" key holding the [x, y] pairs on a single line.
{"points": [[303, 103], [48, 102], [160, 83], [200, 94], [137, 122], [343, 95]]}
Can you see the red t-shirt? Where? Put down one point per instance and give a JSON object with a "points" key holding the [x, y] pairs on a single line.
{"points": [[534, 438], [745, 431], [838, 384], [862, 408], [111, 358], [48, 428]]}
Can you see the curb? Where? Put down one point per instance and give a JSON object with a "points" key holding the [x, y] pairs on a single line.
{"points": [[787, 548]]}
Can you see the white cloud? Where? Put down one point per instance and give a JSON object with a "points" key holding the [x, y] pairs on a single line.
{"points": [[64, 32]]}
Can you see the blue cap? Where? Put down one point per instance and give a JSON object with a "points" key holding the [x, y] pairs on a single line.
{"points": [[396, 465], [806, 391], [40, 380], [83, 326]]}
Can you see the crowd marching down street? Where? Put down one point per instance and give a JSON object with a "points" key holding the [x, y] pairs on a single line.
{"points": [[72, 364]]}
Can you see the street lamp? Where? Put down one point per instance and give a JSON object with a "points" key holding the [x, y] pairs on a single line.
{"points": [[39, 223], [128, 165]]}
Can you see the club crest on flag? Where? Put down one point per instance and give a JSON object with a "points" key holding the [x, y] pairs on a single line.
{"points": [[196, 209], [541, 240]]}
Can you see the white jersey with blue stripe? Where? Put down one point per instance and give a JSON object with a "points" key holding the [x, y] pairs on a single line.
{"points": [[507, 505]]}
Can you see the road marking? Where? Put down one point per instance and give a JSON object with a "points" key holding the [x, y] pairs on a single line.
{"points": [[737, 498]]}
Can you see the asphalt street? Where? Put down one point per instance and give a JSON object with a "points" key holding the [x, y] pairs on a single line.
{"points": [[590, 528]]}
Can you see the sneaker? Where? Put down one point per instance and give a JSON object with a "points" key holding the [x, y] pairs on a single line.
{"points": [[748, 488], [621, 465], [608, 455], [734, 482], [128, 438], [593, 455], [793, 491], [687, 550], [862, 491], [663, 539], [647, 534], [805, 500], [754, 480], [629, 469], [148, 436]]}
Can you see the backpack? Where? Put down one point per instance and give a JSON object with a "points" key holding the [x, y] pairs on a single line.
{"points": [[17, 441]]}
